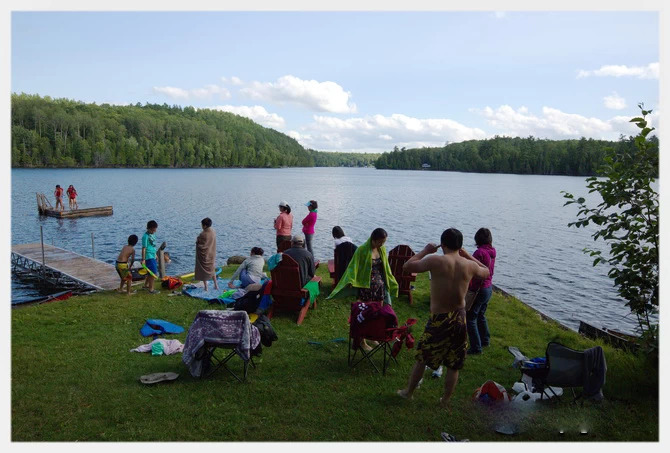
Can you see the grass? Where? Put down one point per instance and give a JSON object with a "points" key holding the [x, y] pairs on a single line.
{"points": [[74, 379]]}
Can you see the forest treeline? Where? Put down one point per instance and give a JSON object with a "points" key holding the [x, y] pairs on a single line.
{"points": [[50, 132], [327, 159], [518, 155]]}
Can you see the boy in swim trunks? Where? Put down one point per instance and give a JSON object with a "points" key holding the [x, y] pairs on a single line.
{"points": [[445, 339], [125, 261]]}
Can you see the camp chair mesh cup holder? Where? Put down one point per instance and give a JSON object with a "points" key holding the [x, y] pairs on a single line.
{"points": [[376, 330], [211, 363], [564, 368]]}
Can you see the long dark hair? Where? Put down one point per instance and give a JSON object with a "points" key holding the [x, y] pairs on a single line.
{"points": [[378, 233]]}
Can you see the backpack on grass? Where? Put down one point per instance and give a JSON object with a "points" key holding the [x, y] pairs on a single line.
{"points": [[171, 282]]}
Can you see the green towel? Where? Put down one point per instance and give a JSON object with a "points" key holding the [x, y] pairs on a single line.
{"points": [[157, 348], [227, 293], [359, 269], [312, 288]]}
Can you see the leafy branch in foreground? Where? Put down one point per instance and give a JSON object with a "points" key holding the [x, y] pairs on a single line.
{"points": [[628, 220]]}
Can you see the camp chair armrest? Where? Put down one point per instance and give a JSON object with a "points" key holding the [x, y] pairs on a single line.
{"points": [[316, 278]]}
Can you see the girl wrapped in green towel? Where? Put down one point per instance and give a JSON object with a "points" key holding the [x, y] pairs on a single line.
{"points": [[369, 272]]}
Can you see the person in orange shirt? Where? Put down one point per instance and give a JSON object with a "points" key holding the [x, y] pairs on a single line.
{"points": [[283, 223]]}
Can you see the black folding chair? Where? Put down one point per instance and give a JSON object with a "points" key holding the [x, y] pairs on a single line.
{"points": [[211, 363], [565, 367], [218, 329]]}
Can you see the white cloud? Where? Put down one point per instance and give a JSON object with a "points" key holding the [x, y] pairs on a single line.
{"points": [[379, 133], [557, 125], [499, 14], [641, 72], [311, 94], [615, 102], [175, 93], [207, 92], [255, 113], [233, 80]]}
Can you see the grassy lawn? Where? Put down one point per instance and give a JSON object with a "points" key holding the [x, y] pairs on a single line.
{"points": [[74, 379]]}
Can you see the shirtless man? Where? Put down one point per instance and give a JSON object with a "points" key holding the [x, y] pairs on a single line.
{"points": [[445, 339]]}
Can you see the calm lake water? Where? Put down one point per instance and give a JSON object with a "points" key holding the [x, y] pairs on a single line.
{"points": [[540, 259]]}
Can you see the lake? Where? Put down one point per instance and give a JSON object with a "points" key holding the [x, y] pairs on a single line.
{"points": [[540, 259]]}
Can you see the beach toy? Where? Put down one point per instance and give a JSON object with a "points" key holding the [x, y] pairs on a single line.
{"points": [[150, 273]]}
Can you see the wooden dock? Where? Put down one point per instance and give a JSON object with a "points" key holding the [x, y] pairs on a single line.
{"points": [[75, 213], [44, 208], [89, 271]]}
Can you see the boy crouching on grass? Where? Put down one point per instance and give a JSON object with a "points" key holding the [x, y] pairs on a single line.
{"points": [[125, 262]]}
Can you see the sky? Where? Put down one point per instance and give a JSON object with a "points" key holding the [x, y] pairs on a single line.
{"points": [[357, 81]]}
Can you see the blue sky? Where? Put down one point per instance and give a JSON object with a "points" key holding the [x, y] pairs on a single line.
{"points": [[357, 81]]}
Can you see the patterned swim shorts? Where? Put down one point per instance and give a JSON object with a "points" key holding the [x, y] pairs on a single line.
{"points": [[444, 341], [123, 271]]}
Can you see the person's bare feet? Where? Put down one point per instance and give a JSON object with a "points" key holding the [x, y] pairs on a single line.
{"points": [[403, 394], [366, 347]]}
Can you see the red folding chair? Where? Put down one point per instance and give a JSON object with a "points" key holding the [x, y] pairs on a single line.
{"points": [[384, 330]]}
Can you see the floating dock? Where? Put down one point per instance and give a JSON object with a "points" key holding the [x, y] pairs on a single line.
{"points": [[63, 265], [75, 213], [44, 208]]}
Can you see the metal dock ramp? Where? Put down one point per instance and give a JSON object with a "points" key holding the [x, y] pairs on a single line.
{"points": [[64, 264]]}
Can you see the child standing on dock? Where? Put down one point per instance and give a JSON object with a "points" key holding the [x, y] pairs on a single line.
{"points": [[125, 262], [58, 193], [149, 255], [72, 197]]}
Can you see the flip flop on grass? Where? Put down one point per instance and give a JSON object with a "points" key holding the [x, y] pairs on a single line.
{"points": [[158, 377]]}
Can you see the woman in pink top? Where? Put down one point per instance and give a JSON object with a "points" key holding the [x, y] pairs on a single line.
{"points": [[308, 224], [283, 223]]}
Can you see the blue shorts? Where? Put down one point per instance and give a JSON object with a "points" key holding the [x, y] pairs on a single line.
{"points": [[151, 265]]}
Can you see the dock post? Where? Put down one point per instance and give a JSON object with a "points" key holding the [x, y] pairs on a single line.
{"points": [[42, 242], [161, 264], [92, 246]]}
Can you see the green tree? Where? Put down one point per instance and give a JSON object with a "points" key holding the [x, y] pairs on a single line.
{"points": [[628, 221]]}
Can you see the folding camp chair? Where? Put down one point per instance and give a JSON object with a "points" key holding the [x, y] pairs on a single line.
{"points": [[565, 367], [374, 330], [397, 259], [217, 329], [378, 330]]}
